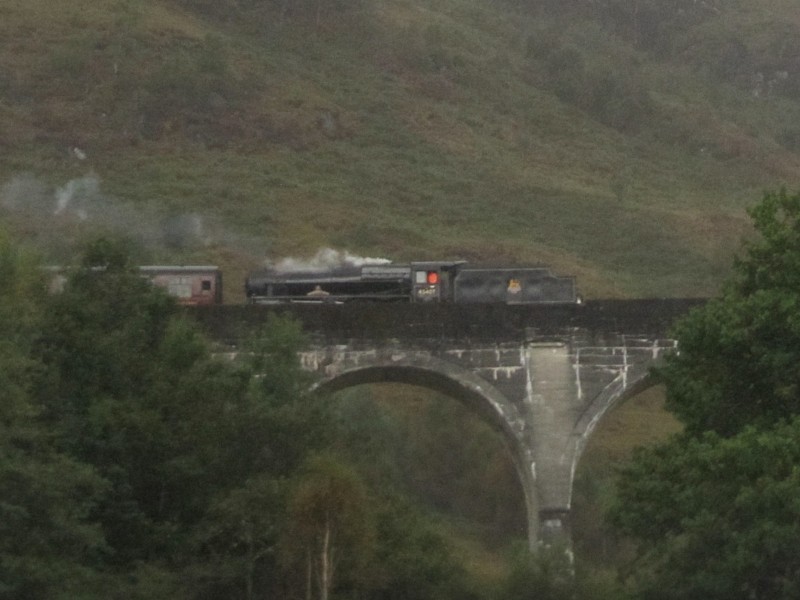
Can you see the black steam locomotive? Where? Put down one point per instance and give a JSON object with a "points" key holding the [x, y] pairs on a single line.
{"points": [[420, 282]]}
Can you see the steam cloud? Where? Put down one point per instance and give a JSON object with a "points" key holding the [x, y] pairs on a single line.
{"points": [[56, 219], [51, 213], [76, 195]]}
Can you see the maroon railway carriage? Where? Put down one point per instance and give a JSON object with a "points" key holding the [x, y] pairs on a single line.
{"points": [[190, 285]]}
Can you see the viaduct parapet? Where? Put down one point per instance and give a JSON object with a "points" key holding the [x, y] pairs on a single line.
{"points": [[543, 376]]}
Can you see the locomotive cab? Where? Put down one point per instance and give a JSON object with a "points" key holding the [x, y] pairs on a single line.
{"points": [[433, 281]]}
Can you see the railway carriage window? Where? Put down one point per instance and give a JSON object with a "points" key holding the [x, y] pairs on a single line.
{"points": [[420, 277], [180, 287], [205, 285]]}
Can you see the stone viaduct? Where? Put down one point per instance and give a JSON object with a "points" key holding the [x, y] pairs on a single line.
{"points": [[543, 376]]}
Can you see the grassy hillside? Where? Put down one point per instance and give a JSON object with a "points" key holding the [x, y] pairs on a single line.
{"points": [[228, 132]]}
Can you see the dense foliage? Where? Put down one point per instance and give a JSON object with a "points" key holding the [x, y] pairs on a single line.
{"points": [[738, 361], [136, 464], [48, 543], [716, 509]]}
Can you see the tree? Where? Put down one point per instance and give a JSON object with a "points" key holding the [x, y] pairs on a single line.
{"points": [[253, 445], [412, 559], [239, 539], [101, 344], [719, 518], [186, 442], [739, 360], [49, 545], [294, 421], [133, 462], [545, 575], [330, 528], [715, 510]]}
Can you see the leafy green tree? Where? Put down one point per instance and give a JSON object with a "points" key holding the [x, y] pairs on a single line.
{"points": [[49, 545], [739, 360], [100, 334], [100, 343], [293, 421], [715, 510], [412, 560], [255, 443], [330, 529], [239, 540], [544, 575], [720, 517], [187, 442]]}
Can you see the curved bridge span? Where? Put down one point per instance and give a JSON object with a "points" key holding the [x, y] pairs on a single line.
{"points": [[543, 376]]}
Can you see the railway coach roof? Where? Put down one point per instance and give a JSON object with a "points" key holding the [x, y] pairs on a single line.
{"points": [[177, 268]]}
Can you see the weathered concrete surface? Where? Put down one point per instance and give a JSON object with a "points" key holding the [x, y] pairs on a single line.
{"points": [[542, 376]]}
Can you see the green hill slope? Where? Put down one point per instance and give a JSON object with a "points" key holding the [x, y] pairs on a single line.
{"points": [[619, 146]]}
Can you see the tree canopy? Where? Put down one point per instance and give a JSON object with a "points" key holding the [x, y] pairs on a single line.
{"points": [[127, 445], [136, 464], [715, 509], [48, 543]]}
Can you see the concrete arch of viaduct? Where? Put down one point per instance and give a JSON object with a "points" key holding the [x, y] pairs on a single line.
{"points": [[615, 394], [462, 385], [556, 403]]}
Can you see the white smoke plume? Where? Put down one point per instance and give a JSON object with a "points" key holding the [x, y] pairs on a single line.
{"points": [[77, 196], [324, 259], [26, 194], [57, 218], [51, 213]]}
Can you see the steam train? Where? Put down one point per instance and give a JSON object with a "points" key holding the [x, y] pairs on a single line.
{"points": [[415, 282]]}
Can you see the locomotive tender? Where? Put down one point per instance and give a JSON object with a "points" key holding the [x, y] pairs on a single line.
{"points": [[418, 282]]}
